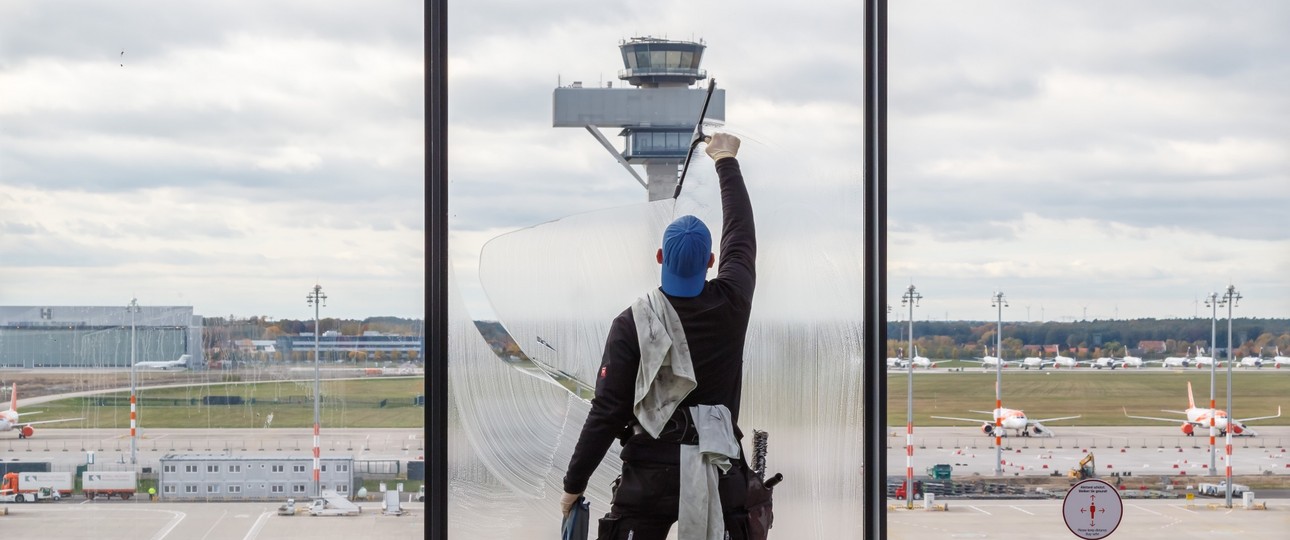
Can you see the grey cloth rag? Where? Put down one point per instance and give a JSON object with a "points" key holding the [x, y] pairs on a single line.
{"points": [[666, 373], [700, 516]]}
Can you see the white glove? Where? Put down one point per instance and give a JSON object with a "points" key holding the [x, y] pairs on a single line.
{"points": [[722, 145], [566, 503]]}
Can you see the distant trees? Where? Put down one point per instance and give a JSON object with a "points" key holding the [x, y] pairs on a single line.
{"points": [[967, 339]]}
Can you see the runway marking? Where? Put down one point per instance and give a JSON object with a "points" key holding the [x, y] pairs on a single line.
{"points": [[179, 516], [212, 527], [1019, 509], [259, 525], [1153, 512], [1185, 509], [980, 510]]}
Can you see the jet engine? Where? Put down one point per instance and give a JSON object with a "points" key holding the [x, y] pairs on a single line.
{"points": [[26, 431], [1236, 428], [1189, 429], [988, 429], [1037, 430]]}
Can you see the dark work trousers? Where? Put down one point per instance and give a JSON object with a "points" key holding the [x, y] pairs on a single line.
{"points": [[646, 502]]}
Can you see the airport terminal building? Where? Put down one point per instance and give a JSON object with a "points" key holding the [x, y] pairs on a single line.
{"points": [[97, 336], [220, 477]]}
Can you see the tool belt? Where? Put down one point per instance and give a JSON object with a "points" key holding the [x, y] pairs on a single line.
{"points": [[679, 429]]}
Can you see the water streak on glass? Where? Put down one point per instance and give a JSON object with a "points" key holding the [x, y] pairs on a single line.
{"points": [[556, 286]]}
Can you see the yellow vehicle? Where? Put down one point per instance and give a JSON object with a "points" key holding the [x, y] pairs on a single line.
{"points": [[1086, 468]]}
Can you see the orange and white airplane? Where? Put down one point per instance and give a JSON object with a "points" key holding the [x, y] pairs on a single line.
{"points": [[1278, 361], [1130, 361], [9, 419], [1013, 419], [1203, 361], [1199, 418], [1060, 361]]}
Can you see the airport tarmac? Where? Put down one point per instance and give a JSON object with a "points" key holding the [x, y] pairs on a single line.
{"points": [[143, 520], [1043, 519], [1124, 449]]}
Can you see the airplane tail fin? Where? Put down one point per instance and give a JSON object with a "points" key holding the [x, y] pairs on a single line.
{"points": [[1191, 401], [13, 401]]}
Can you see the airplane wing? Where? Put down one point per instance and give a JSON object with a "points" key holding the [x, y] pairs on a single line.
{"points": [[48, 421], [1053, 419], [1171, 420], [973, 420], [987, 413], [1243, 420]]}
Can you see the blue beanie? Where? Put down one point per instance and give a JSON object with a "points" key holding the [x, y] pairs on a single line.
{"points": [[687, 248]]}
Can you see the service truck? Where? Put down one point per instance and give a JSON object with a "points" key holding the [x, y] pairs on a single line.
{"points": [[12, 491], [332, 504], [95, 484], [57, 481], [1220, 489]]}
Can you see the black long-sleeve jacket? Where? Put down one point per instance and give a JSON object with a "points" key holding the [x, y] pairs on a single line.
{"points": [[715, 324]]}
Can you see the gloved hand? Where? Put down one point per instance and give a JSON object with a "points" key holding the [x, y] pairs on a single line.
{"points": [[566, 503], [722, 145]]}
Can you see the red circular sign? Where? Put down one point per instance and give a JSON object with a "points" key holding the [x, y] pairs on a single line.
{"points": [[1092, 509]]}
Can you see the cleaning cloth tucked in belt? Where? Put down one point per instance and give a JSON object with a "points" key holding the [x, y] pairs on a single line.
{"points": [[666, 374], [699, 516]]}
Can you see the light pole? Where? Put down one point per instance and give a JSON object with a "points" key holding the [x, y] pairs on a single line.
{"points": [[910, 298], [1230, 298], [317, 299], [133, 308], [997, 301], [1211, 301]]}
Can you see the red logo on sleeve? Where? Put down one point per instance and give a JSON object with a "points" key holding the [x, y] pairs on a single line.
{"points": [[603, 371]]}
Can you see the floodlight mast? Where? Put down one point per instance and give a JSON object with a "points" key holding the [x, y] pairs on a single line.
{"points": [[133, 308], [317, 299], [1230, 299], [910, 298], [997, 301], [1212, 302]]}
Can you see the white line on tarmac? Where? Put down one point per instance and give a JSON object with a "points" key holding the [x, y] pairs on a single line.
{"points": [[980, 510], [259, 524], [212, 529], [1153, 512], [1019, 509], [1185, 509], [174, 522]]}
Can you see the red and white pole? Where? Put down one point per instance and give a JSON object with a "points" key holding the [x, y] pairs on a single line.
{"points": [[134, 419], [1227, 462], [317, 457]]}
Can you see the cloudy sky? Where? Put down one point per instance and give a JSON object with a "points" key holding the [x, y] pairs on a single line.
{"points": [[222, 154], [1088, 159]]}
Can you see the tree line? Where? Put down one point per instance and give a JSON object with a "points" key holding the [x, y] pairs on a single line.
{"points": [[1090, 339]]}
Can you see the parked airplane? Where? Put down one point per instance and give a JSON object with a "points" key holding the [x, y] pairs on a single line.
{"points": [[1203, 361], [988, 361], [897, 361], [1175, 361], [1199, 418], [1035, 362], [1106, 362], [1060, 361], [1130, 361], [922, 361], [9, 419], [1278, 360], [180, 363], [1011, 419], [1251, 361]]}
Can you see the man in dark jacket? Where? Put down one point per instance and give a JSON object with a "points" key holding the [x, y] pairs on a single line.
{"points": [[714, 315]]}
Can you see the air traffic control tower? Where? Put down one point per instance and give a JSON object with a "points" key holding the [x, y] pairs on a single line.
{"points": [[657, 113]]}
